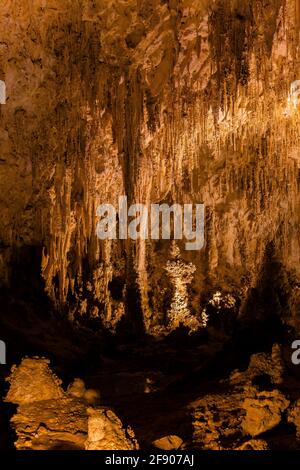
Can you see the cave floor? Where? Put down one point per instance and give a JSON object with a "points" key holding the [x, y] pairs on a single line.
{"points": [[178, 386]]}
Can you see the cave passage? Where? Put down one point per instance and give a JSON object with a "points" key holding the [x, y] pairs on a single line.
{"points": [[121, 331]]}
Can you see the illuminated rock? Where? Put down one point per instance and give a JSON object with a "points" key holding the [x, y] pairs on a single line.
{"points": [[168, 443], [263, 412], [106, 432], [161, 103], [33, 381]]}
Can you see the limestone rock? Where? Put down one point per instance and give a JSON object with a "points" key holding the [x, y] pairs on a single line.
{"points": [[217, 421], [221, 420], [106, 432], [263, 412], [76, 389], [254, 444], [47, 418], [261, 365], [51, 424], [168, 443], [92, 397], [33, 381], [67, 423], [157, 100], [294, 417]]}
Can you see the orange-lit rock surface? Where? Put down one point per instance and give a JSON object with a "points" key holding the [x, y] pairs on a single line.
{"points": [[164, 101], [55, 421], [172, 101]]}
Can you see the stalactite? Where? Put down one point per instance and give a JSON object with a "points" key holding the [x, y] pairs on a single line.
{"points": [[170, 104]]}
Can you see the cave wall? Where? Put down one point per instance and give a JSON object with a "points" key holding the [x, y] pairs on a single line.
{"points": [[164, 101]]}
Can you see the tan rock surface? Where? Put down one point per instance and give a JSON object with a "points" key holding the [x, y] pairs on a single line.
{"points": [[168, 443], [163, 101], [33, 381], [106, 432], [263, 412], [49, 419]]}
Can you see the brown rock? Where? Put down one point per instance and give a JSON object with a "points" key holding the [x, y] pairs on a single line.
{"points": [[217, 421], [92, 396], [33, 381], [47, 418], [263, 412], [168, 92], [51, 424], [106, 432], [168, 443], [261, 364], [76, 389], [254, 444], [294, 417]]}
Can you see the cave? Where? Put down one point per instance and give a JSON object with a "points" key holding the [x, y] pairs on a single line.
{"points": [[168, 326]]}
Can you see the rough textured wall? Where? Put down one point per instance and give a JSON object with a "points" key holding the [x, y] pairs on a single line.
{"points": [[165, 101]]}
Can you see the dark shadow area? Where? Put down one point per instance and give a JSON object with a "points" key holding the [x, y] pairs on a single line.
{"points": [[7, 434], [185, 367]]}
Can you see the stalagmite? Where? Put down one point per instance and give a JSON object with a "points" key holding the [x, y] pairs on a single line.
{"points": [[149, 235]]}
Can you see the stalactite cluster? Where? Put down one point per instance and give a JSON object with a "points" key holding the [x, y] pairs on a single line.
{"points": [[164, 101]]}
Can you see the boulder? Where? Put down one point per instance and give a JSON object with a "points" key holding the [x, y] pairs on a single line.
{"points": [[263, 412], [47, 418], [168, 443], [51, 424], [106, 432], [33, 381]]}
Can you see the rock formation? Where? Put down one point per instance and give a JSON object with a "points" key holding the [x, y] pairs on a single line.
{"points": [[263, 412], [249, 407], [106, 432], [48, 419], [33, 381], [164, 101]]}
